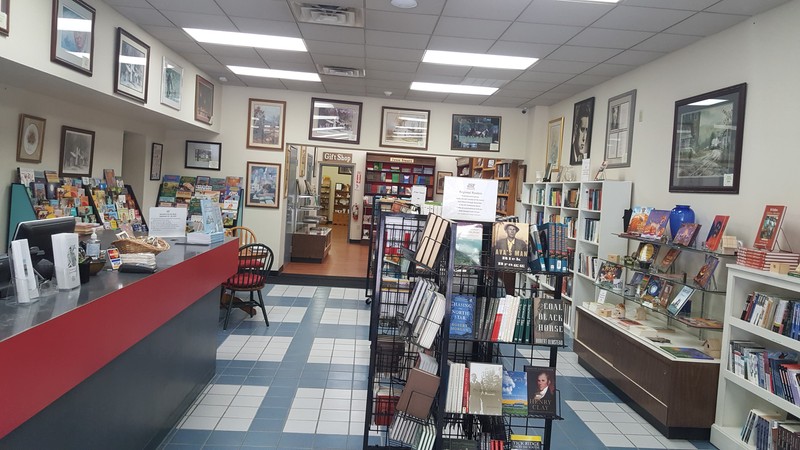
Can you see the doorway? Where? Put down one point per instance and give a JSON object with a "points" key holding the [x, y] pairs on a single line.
{"points": [[335, 197]]}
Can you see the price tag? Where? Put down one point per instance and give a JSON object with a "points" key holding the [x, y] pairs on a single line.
{"points": [[602, 297], [648, 305]]}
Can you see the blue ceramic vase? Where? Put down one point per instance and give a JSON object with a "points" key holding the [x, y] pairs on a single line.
{"points": [[679, 215]]}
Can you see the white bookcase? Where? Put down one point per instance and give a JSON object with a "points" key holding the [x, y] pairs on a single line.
{"points": [[549, 201], [735, 395]]}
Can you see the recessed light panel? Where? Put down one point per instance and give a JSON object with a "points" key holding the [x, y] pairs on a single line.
{"points": [[477, 60], [247, 39], [453, 88], [271, 73]]}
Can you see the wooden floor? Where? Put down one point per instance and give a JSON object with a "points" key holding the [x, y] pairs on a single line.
{"points": [[344, 260]]}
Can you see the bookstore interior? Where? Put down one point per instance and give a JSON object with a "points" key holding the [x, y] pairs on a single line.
{"points": [[500, 253]]}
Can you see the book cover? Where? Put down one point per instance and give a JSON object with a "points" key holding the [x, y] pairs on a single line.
{"points": [[669, 258], [51, 176], [656, 224], [706, 272], [485, 389], [686, 352], [610, 276], [677, 304], [541, 390], [26, 176], [525, 442], [536, 260], [469, 244], [515, 393], [770, 225], [510, 245], [715, 232], [638, 220], [462, 312], [418, 393], [547, 317], [653, 290], [686, 234]]}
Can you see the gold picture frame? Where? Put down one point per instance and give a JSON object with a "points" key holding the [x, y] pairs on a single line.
{"points": [[30, 143]]}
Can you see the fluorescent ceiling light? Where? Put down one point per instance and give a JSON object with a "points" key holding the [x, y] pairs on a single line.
{"points": [[708, 102], [591, 1], [453, 88], [271, 73], [247, 39], [477, 60]]}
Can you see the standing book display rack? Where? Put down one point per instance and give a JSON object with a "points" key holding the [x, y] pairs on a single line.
{"points": [[420, 394]]}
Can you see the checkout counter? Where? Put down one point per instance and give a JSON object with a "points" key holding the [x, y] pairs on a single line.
{"points": [[116, 362]]}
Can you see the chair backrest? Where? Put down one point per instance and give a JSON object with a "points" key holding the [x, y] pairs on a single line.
{"points": [[255, 262], [245, 235]]}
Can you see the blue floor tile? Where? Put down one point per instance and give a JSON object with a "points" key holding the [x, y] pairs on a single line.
{"points": [[266, 424], [258, 381], [327, 441], [231, 379], [264, 439], [234, 438], [296, 440], [183, 447], [195, 437]]}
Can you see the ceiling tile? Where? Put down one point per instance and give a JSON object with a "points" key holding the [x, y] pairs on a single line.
{"points": [[332, 33], [346, 90], [540, 33], [400, 40], [238, 60], [168, 33], [443, 69], [342, 61], [602, 37], [389, 76], [563, 13], [134, 3], [211, 67], [197, 20], [335, 48], [635, 57], [466, 99], [234, 81], [689, 5], [274, 10], [588, 80], [328, 80], [567, 89], [422, 96], [530, 86], [303, 86], [397, 94], [666, 42], [550, 77], [400, 22], [494, 74], [395, 54], [144, 16], [541, 101], [182, 47], [748, 8], [641, 19], [505, 102], [396, 66], [560, 66], [271, 27], [431, 7], [583, 54], [518, 93], [240, 52], [471, 28], [290, 57], [454, 44], [260, 82], [705, 24], [479, 9], [297, 67], [201, 58], [522, 49], [192, 6], [609, 69], [394, 86]]}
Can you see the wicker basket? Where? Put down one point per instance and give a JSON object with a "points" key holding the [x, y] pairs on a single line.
{"points": [[134, 245]]}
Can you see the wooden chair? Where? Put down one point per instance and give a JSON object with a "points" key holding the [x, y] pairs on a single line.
{"points": [[245, 235], [255, 262]]}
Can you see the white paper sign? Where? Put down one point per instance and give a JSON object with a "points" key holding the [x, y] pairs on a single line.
{"points": [[586, 170], [471, 199], [167, 222], [418, 194], [24, 278], [601, 298], [65, 260]]}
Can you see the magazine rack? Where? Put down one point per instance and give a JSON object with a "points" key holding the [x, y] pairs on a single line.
{"points": [[394, 351]]}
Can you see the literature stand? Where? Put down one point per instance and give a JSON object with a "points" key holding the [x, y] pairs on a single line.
{"points": [[395, 353]]}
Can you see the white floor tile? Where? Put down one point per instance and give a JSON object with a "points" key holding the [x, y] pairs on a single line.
{"points": [[620, 417], [357, 428], [240, 412], [607, 407], [675, 443], [300, 426], [338, 393], [258, 391], [645, 441], [360, 394], [309, 393], [335, 403], [247, 401], [579, 405], [233, 424], [208, 411], [602, 427], [218, 400], [200, 423], [614, 440], [303, 414], [331, 428], [632, 428], [224, 389], [332, 415], [592, 416]]}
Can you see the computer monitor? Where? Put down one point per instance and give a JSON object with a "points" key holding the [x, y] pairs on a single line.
{"points": [[39, 234]]}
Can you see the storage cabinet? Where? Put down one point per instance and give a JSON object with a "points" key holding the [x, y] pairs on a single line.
{"points": [[310, 242]]}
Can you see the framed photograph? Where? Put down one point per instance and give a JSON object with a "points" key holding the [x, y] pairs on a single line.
{"points": [[265, 124], [707, 142], [203, 100], [4, 4], [203, 155], [171, 83], [555, 136], [263, 185], [30, 142], [619, 130], [479, 133], [522, 174], [582, 119], [77, 152], [440, 180], [404, 128], [335, 120], [132, 69], [156, 153], [345, 170], [286, 165], [72, 35]]}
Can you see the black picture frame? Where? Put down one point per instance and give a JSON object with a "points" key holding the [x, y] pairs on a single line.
{"points": [[156, 156], [475, 133], [5, 16], [203, 155], [203, 100], [335, 121], [619, 130], [581, 137], [707, 136], [131, 77], [77, 152], [73, 48]]}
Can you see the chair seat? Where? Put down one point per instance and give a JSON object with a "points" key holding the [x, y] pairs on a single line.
{"points": [[255, 262], [245, 281]]}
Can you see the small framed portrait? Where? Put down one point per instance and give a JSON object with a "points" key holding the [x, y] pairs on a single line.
{"points": [[203, 155], [77, 152], [522, 174], [479, 133], [132, 69], [582, 118], [156, 153], [30, 142], [440, 180], [335, 121], [263, 185], [404, 128], [555, 134], [265, 124], [203, 100], [619, 130], [171, 84], [72, 35], [4, 17]]}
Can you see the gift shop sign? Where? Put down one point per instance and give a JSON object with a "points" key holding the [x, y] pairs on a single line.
{"points": [[337, 157]]}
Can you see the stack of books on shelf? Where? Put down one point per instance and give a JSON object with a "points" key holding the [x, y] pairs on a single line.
{"points": [[770, 431], [770, 311], [425, 313], [547, 248], [594, 199], [761, 259], [505, 319], [773, 370]]}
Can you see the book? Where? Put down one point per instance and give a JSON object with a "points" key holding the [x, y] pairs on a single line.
{"points": [[703, 276], [677, 304], [646, 254], [638, 219], [510, 245], [485, 389], [610, 276], [536, 260], [701, 322], [515, 393], [418, 393], [26, 176], [541, 391], [547, 317], [686, 234], [669, 258], [462, 311], [686, 352], [715, 232], [652, 291], [770, 225], [656, 224], [469, 244], [430, 242], [525, 442]]}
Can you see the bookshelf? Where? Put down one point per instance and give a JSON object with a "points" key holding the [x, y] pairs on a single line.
{"points": [[341, 204], [505, 171], [736, 395], [325, 206]]}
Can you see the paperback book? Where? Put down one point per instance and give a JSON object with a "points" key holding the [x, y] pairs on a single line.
{"points": [[515, 393], [703, 277], [686, 234], [686, 352], [677, 304], [715, 232], [525, 442], [770, 225], [541, 390], [485, 389], [656, 224], [469, 244], [610, 276], [669, 258], [638, 220]]}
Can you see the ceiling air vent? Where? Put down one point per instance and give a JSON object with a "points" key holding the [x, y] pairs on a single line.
{"points": [[328, 14], [342, 71]]}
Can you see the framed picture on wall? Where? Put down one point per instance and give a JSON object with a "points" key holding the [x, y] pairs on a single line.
{"points": [[582, 118], [522, 174], [132, 69], [4, 17], [203, 100], [171, 83], [555, 135], [286, 165], [72, 35], [404, 128], [30, 142], [480, 133], [263, 185], [265, 124], [335, 120], [156, 153], [707, 142], [203, 155], [440, 180], [619, 130], [77, 152]]}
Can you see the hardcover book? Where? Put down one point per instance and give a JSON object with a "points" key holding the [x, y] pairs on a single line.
{"points": [[653, 290], [525, 442], [541, 390], [515, 393], [686, 352], [638, 219], [767, 232], [706, 272], [686, 234], [547, 316], [677, 304], [610, 276], [715, 232], [469, 244], [656, 224], [462, 312], [418, 393], [669, 258], [510, 245], [485, 389]]}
